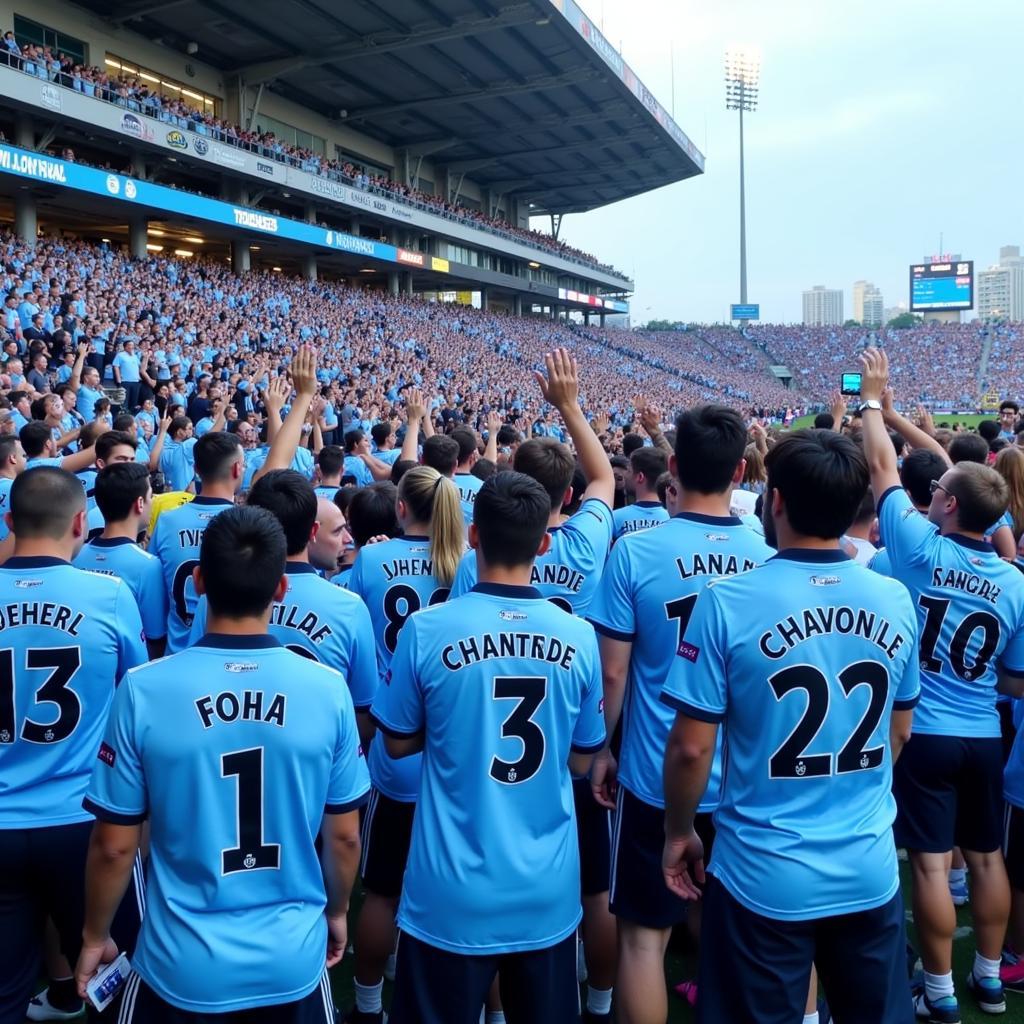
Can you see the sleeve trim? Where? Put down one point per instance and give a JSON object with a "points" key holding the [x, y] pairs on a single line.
{"points": [[351, 805], [906, 705], [363, 706], [612, 634], [878, 507], [691, 710], [587, 748], [398, 734], [1018, 672], [102, 813]]}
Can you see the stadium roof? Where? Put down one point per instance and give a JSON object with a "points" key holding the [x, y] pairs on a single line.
{"points": [[525, 97]]}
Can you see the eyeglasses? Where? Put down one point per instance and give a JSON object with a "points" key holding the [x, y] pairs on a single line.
{"points": [[936, 486]]}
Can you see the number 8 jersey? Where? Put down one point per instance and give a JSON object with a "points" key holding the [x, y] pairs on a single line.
{"points": [[802, 660]]}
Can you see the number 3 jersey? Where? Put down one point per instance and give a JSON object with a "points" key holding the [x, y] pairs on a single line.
{"points": [[503, 684], [234, 750], [970, 609], [802, 661]]}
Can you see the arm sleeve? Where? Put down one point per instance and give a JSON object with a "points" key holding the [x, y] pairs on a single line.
{"points": [[198, 629], [398, 706], [363, 675], [594, 522], [465, 577], [908, 686], [131, 642], [589, 734], [350, 781], [153, 600], [117, 789], [1012, 659], [907, 535], [696, 680], [613, 612]]}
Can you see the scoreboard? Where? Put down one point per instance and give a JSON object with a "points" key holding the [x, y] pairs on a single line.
{"points": [[942, 287]]}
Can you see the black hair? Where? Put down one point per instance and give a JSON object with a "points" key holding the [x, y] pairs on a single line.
{"points": [[917, 472], [466, 440], [400, 468], [110, 439], [968, 448], [990, 429], [125, 421], [331, 460], [650, 461], [44, 500], [292, 499], [215, 454], [352, 439], [508, 435], [242, 560], [824, 421], [380, 432], [511, 513], [118, 487], [631, 443], [441, 453], [371, 512], [483, 468], [34, 438], [710, 442]]}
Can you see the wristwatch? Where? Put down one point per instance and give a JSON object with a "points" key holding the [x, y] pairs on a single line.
{"points": [[870, 403]]}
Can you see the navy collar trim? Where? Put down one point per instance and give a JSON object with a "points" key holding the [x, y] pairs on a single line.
{"points": [[239, 642], [33, 562], [967, 542], [508, 590], [414, 538], [823, 555], [110, 542], [647, 504], [699, 517], [297, 568], [200, 500]]}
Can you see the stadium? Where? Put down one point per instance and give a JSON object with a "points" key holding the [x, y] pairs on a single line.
{"points": [[294, 385]]}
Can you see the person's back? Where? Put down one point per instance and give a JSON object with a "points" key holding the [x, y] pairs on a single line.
{"points": [[646, 465], [641, 515]]}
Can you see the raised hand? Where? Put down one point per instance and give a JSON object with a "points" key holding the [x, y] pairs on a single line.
{"points": [[303, 370], [561, 386]]}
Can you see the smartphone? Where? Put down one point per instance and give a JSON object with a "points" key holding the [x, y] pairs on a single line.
{"points": [[850, 384], [105, 985]]}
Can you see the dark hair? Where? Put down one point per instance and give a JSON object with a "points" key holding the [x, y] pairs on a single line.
{"points": [[631, 443], [710, 442], [178, 423], [44, 500], [483, 468], [508, 435], [466, 440], [550, 463], [441, 453], [125, 421], [380, 432], [663, 483], [990, 429], [108, 441], [824, 421], [1009, 403], [352, 439], [7, 443], [968, 448], [34, 437], [511, 513], [343, 497], [822, 477], [917, 472], [292, 499], [330, 460], [982, 496], [652, 462], [215, 454], [898, 442], [400, 468], [90, 433], [579, 487], [118, 487], [242, 560], [371, 512]]}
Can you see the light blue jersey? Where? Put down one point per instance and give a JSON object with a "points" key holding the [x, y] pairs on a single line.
{"points": [[234, 750], [970, 607], [389, 456], [6, 483], [324, 623], [327, 491], [176, 540], [640, 516], [569, 573], [881, 563], [66, 637], [1013, 775], [503, 684], [468, 487], [802, 660], [394, 578], [355, 467], [178, 463], [646, 597]]}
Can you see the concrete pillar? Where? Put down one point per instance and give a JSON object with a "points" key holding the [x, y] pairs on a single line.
{"points": [[137, 237], [232, 191], [354, 226], [26, 223], [484, 299], [24, 131], [393, 283], [240, 260], [309, 267], [139, 165], [586, 317], [602, 319], [517, 305], [407, 283], [310, 213]]}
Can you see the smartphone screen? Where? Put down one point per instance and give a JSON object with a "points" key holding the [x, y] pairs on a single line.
{"points": [[850, 384]]}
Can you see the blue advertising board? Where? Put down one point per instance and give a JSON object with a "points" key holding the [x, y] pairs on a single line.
{"points": [[745, 311]]}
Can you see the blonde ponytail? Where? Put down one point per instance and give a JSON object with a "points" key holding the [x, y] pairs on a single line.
{"points": [[434, 499]]}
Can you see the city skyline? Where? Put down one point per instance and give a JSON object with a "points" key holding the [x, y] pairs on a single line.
{"points": [[856, 167]]}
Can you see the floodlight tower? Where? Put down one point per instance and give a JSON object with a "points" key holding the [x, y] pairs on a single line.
{"points": [[742, 74]]}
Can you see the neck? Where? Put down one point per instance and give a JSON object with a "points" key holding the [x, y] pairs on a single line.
{"points": [[951, 527], [414, 528], [44, 547], [301, 557], [788, 538], [861, 531], [225, 492], [508, 576], [647, 496], [334, 481], [705, 504], [125, 528], [556, 518], [247, 625]]}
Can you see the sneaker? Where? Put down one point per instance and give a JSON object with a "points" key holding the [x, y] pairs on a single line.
{"points": [[1010, 956], [355, 1016], [943, 1011], [40, 1008], [988, 992], [687, 990], [595, 1018], [959, 893], [1012, 977]]}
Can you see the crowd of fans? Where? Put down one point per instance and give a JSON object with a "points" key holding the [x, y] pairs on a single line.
{"points": [[133, 93]]}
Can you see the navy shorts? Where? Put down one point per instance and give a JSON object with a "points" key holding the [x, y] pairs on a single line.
{"points": [[638, 892], [949, 792], [1013, 845], [594, 831], [756, 969], [141, 1005], [1006, 727], [433, 986], [385, 834], [42, 875]]}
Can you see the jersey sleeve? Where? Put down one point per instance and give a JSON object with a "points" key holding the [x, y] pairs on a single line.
{"points": [[696, 680], [153, 604], [908, 686], [349, 786], [363, 676], [1012, 659], [398, 706], [612, 612], [465, 576], [907, 535], [594, 522], [588, 736], [117, 789], [131, 637], [198, 630]]}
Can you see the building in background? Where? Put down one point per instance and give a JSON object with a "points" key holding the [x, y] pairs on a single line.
{"points": [[1001, 287], [823, 306], [868, 305]]}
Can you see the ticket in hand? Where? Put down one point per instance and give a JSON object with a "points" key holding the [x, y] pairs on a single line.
{"points": [[104, 986]]}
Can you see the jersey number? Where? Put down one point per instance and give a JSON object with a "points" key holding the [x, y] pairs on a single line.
{"points": [[530, 691], [400, 602], [181, 577], [936, 608], [790, 761], [681, 609], [251, 852], [64, 661]]}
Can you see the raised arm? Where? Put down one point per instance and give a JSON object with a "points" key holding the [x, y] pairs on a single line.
{"points": [[75, 380], [650, 420], [415, 410], [912, 434], [274, 398], [285, 444], [158, 445], [494, 422], [878, 448]]}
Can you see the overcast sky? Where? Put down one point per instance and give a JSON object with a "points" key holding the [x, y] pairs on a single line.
{"points": [[880, 126]]}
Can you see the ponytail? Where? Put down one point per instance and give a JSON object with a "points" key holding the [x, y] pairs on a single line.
{"points": [[434, 499]]}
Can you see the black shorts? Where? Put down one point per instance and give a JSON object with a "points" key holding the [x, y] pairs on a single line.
{"points": [[594, 831], [1006, 727], [756, 969], [141, 1005], [638, 892], [433, 986], [1013, 845], [949, 792], [385, 836], [42, 875]]}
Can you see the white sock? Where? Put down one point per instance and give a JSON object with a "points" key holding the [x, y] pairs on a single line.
{"points": [[811, 1018], [984, 968], [368, 997], [495, 1017], [957, 876], [599, 1000], [936, 986]]}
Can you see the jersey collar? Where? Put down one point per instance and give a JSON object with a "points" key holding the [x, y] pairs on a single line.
{"points": [[412, 537], [297, 568], [647, 504], [200, 500], [812, 555], [967, 542], [230, 641], [508, 590], [110, 542], [33, 562], [699, 517]]}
